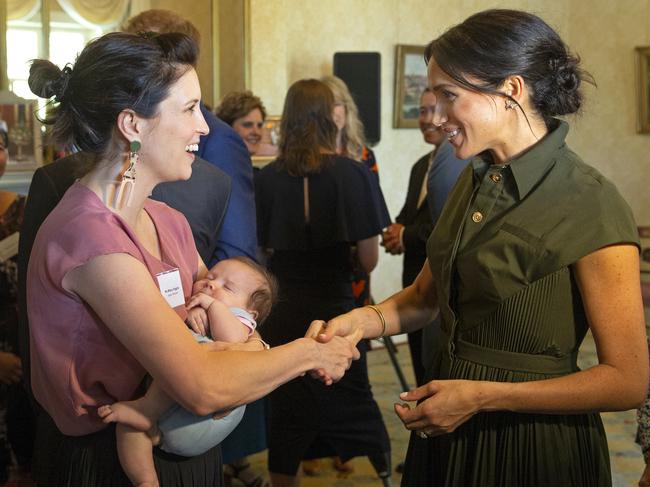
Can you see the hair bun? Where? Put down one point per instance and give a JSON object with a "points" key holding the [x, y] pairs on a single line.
{"points": [[60, 85], [565, 73], [46, 80]]}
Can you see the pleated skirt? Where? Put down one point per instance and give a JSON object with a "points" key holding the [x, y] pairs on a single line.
{"points": [[92, 461], [505, 449]]}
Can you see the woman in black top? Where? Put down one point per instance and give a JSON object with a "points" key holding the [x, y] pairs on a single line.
{"points": [[312, 207]]}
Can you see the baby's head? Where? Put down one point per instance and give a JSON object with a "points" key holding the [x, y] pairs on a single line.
{"points": [[241, 283]]}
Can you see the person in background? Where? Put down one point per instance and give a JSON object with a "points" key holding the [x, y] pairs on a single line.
{"points": [[412, 227], [313, 205], [221, 147], [643, 413], [533, 249], [350, 137], [351, 142], [643, 426], [16, 414], [245, 113], [443, 173]]}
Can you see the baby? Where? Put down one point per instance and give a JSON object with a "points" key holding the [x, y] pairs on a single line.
{"points": [[235, 295]]}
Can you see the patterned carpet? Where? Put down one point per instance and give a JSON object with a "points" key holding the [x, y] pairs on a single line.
{"points": [[625, 455]]}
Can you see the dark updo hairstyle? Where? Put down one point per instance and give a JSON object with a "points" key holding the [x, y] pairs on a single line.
{"points": [[307, 128], [115, 72], [494, 44]]}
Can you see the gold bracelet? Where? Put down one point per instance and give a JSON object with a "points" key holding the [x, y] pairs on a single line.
{"points": [[381, 318]]}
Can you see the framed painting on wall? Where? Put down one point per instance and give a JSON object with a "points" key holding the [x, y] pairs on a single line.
{"points": [[268, 149], [18, 120], [643, 89], [410, 82]]}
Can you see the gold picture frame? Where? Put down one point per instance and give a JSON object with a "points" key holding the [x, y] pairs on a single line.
{"points": [[268, 150], [643, 89], [410, 82], [18, 119]]}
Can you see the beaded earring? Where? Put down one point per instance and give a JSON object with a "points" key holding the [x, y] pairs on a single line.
{"points": [[128, 178]]}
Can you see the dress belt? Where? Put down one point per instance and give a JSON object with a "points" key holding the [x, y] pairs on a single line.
{"points": [[521, 362]]}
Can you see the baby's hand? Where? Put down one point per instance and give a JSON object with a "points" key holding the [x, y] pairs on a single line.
{"points": [[197, 320], [200, 300]]}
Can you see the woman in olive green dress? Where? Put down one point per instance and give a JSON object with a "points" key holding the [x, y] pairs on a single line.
{"points": [[533, 248]]}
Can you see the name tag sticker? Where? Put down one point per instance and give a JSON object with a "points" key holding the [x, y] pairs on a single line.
{"points": [[171, 287]]}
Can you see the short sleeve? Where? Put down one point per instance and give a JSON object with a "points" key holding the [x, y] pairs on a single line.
{"points": [[58, 241], [595, 216], [345, 205]]}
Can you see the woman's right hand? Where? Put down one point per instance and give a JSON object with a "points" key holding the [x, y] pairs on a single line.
{"points": [[11, 370], [335, 357]]}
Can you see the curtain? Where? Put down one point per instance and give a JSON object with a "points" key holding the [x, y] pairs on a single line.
{"points": [[22, 9], [97, 14]]}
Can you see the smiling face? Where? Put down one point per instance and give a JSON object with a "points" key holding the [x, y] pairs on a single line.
{"points": [[250, 129], [231, 282], [473, 122], [431, 133], [170, 139]]}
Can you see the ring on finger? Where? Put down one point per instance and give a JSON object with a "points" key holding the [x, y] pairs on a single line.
{"points": [[422, 434]]}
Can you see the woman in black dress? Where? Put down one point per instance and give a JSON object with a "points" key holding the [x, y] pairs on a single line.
{"points": [[312, 207]]}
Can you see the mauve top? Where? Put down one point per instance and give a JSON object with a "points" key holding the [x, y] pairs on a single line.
{"points": [[77, 363]]}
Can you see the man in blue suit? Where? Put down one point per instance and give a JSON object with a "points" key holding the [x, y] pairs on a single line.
{"points": [[224, 148]]}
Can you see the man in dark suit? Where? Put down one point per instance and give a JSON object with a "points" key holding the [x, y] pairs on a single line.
{"points": [[412, 227], [203, 200]]}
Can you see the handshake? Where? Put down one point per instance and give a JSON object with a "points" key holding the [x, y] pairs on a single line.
{"points": [[391, 239]]}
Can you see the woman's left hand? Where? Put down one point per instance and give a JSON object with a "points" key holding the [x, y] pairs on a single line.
{"points": [[446, 404]]}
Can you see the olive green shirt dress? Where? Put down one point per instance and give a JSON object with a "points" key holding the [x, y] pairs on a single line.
{"points": [[511, 311]]}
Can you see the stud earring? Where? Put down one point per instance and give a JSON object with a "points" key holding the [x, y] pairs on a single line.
{"points": [[128, 178], [510, 104]]}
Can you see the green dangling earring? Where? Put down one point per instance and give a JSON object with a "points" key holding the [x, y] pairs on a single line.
{"points": [[128, 178]]}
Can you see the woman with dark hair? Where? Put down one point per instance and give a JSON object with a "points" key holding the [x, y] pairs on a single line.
{"points": [[245, 113], [533, 248], [110, 270], [312, 207]]}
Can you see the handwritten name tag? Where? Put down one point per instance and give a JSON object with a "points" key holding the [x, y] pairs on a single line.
{"points": [[171, 287]]}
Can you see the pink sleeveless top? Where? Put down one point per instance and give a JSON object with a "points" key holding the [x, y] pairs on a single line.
{"points": [[76, 362]]}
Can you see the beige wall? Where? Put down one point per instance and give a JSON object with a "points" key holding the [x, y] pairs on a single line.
{"points": [[293, 39]]}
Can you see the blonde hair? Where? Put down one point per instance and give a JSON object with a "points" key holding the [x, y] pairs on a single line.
{"points": [[352, 137]]}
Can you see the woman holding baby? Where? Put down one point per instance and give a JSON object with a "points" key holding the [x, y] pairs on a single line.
{"points": [[111, 270]]}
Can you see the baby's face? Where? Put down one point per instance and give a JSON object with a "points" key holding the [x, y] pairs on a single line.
{"points": [[230, 282]]}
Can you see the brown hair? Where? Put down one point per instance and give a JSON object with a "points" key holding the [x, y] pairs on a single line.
{"points": [[162, 21], [263, 299], [238, 104], [307, 128]]}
